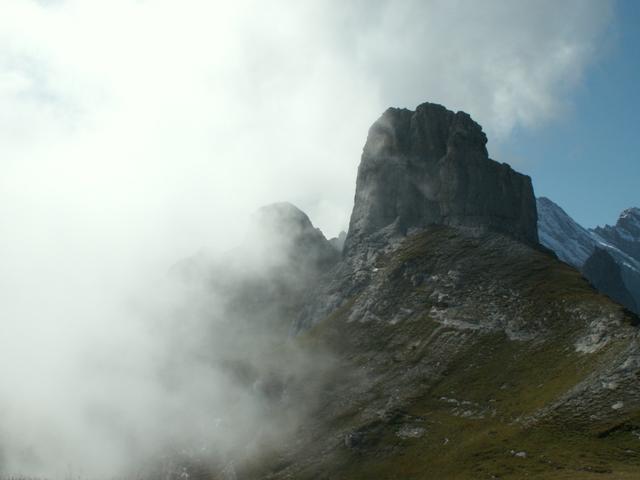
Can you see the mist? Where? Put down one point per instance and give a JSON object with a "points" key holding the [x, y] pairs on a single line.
{"points": [[134, 134]]}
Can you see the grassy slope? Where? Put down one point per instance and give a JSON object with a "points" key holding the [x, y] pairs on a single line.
{"points": [[457, 447], [492, 373]]}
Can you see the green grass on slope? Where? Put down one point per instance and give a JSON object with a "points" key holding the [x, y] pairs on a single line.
{"points": [[475, 417], [513, 381]]}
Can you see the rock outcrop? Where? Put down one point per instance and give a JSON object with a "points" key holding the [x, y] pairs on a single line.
{"points": [[431, 166]]}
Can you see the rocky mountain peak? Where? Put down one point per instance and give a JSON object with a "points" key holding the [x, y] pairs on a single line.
{"points": [[431, 166], [430, 131], [625, 235], [627, 226], [283, 216], [285, 230], [630, 220]]}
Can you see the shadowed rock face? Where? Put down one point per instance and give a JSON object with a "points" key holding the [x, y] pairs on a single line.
{"points": [[604, 273], [431, 167]]}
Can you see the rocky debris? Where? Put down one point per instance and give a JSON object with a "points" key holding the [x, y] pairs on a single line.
{"points": [[468, 409], [617, 405], [431, 166], [593, 401], [411, 431], [605, 275], [598, 334]]}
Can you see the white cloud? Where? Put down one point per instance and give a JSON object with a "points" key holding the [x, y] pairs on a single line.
{"points": [[275, 99]]}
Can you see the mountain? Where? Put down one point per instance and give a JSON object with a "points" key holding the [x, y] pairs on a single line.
{"points": [[470, 356], [338, 242], [446, 343], [558, 231], [576, 246], [625, 235], [283, 227], [431, 167]]}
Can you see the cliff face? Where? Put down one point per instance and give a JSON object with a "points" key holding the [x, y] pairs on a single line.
{"points": [[430, 166], [604, 273]]}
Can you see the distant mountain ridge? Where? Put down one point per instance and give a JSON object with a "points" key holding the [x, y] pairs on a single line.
{"points": [[576, 246]]}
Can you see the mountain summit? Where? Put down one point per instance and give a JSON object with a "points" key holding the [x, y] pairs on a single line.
{"points": [[431, 167], [625, 235]]}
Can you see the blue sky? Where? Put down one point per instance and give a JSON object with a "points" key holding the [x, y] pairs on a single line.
{"points": [[588, 161]]}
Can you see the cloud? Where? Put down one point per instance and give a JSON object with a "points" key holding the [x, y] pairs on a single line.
{"points": [[189, 99], [133, 133], [507, 63]]}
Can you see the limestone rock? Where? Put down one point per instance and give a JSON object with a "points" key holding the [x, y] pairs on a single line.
{"points": [[430, 166]]}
